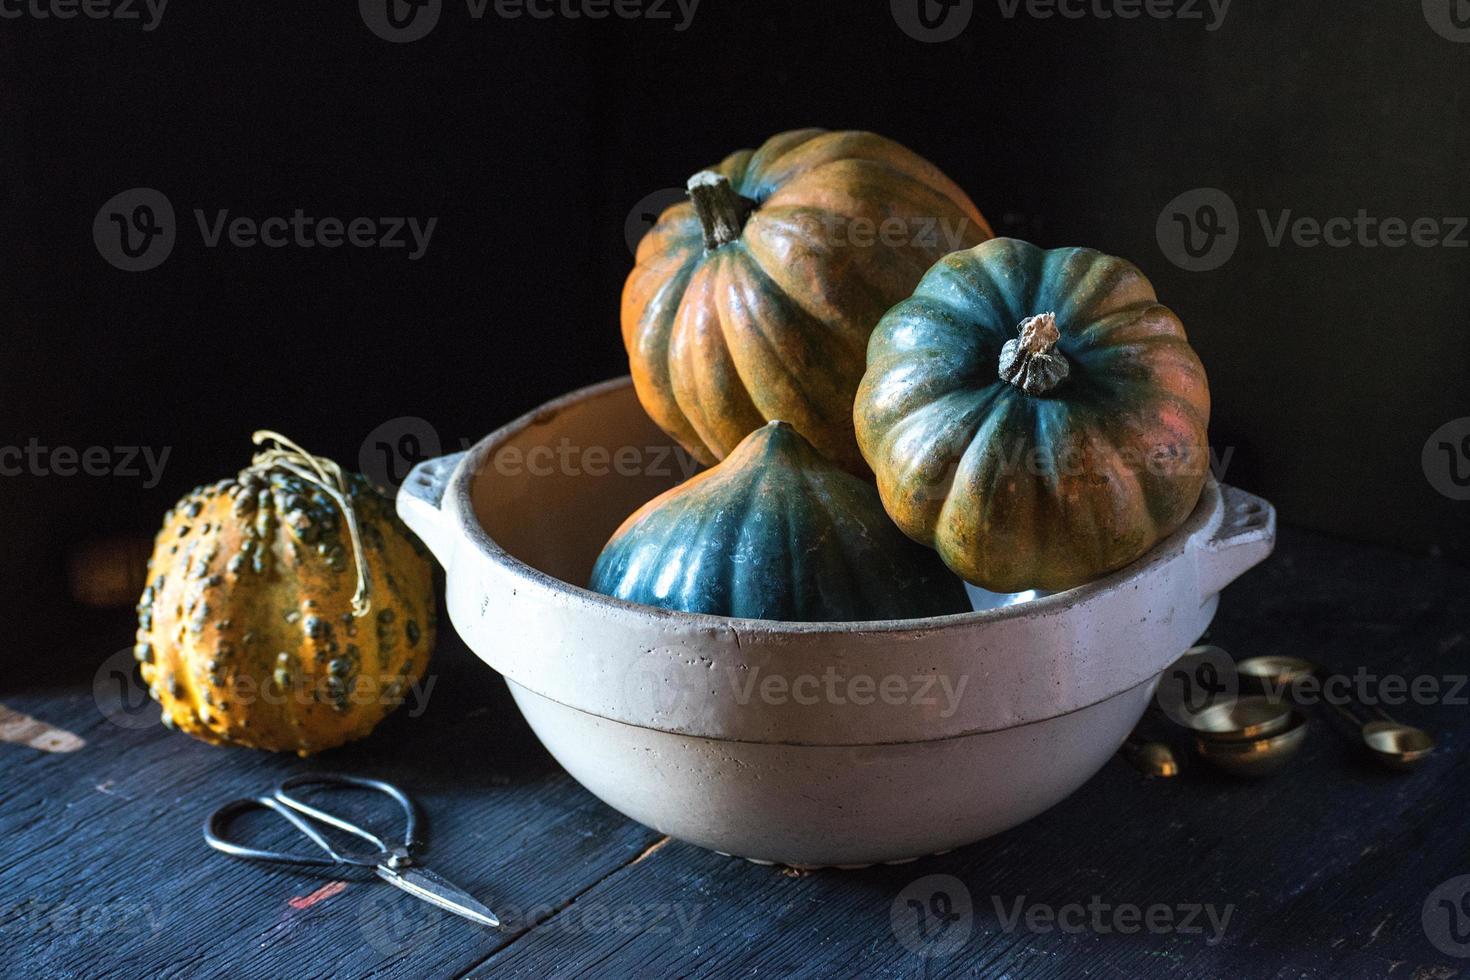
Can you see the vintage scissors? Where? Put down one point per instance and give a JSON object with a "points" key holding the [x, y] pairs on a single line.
{"points": [[393, 863]]}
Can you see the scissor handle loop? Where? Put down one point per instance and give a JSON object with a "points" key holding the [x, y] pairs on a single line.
{"points": [[296, 812], [410, 812], [215, 828]]}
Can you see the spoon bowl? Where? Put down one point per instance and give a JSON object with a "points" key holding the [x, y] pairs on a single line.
{"points": [[1154, 759], [1253, 757], [1275, 672], [1396, 745], [1242, 718]]}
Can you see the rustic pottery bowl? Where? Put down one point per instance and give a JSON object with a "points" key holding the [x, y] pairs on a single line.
{"points": [[806, 744]]}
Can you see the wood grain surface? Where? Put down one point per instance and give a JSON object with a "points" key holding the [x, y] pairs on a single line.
{"points": [[1325, 870]]}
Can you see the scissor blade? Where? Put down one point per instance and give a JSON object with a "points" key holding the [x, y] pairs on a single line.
{"points": [[425, 884]]}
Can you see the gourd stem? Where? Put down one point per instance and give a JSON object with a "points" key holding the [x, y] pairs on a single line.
{"points": [[1039, 333], [326, 475], [722, 212], [1031, 362]]}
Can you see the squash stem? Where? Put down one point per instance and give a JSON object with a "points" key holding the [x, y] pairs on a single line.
{"points": [[1039, 333], [722, 212], [327, 475], [1031, 362]]}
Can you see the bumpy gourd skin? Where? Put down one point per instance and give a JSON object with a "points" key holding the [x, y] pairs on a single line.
{"points": [[774, 325], [246, 633], [1017, 490], [775, 532]]}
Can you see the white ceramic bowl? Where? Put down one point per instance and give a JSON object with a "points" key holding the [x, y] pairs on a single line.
{"points": [[807, 744]]}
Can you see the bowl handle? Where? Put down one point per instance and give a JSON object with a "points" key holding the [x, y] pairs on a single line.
{"points": [[421, 503], [1246, 535]]}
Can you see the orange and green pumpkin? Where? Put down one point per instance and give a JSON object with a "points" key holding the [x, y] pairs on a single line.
{"points": [[754, 299], [1035, 416], [775, 531], [286, 609]]}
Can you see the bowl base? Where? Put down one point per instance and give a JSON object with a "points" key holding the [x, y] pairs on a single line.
{"points": [[768, 863], [833, 806]]}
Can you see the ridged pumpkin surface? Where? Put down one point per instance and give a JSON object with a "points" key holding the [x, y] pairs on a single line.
{"points": [[1022, 489], [246, 632], [775, 532], [831, 229]]}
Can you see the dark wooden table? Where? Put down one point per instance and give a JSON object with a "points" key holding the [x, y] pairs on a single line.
{"points": [[1325, 870]]}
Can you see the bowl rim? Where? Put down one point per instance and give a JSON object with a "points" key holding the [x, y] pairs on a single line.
{"points": [[459, 500]]}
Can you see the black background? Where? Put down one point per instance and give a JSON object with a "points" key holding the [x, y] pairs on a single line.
{"points": [[531, 140]]}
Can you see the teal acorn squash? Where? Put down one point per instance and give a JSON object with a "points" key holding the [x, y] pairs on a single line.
{"points": [[775, 531], [1035, 416]]}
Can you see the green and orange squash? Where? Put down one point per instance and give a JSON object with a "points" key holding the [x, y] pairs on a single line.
{"points": [[775, 531], [754, 299], [1035, 416], [286, 609]]}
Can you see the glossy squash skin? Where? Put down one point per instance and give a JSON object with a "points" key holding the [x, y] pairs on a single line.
{"points": [[826, 231], [1043, 489], [778, 532], [246, 631]]}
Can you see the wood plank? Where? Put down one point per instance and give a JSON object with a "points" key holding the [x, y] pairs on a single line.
{"points": [[1325, 868], [107, 873]]}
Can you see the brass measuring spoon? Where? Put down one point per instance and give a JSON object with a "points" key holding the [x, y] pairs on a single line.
{"points": [[1249, 736], [1246, 735], [1153, 759], [1391, 743], [1243, 734], [1257, 755], [1251, 716], [1275, 673]]}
